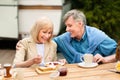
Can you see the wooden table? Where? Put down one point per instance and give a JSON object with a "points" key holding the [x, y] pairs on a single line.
{"points": [[75, 72]]}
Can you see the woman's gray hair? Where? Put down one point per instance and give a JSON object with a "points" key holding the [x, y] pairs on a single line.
{"points": [[76, 14]]}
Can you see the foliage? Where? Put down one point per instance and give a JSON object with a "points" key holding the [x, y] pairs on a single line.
{"points": [[102, 14]]}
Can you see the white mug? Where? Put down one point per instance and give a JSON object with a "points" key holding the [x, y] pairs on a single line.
{"points": [[88, 58]]}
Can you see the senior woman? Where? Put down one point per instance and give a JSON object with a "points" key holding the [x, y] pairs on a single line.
{"points": [[38, 48]]}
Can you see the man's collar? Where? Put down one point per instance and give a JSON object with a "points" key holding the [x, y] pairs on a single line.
{"points": [[83, 37]]}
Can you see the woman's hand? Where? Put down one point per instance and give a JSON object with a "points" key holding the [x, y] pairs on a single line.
{"points": [[37, 59], [30, 62]]}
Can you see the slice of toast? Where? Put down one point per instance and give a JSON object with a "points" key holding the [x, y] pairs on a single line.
{"points": [[48, 68]]}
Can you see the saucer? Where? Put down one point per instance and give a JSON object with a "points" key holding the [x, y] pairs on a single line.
{"points": [[82, 64]]}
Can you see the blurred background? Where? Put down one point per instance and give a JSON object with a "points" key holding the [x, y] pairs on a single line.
{"points": [[17, 17]]}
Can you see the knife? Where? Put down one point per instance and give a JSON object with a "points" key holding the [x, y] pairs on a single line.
{"points": [[113, 70]]}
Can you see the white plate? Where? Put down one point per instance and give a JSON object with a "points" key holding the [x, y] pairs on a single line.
{"points": [[82, 64]]}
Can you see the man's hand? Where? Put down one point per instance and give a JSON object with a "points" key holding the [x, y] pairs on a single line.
{"points": [[99, 59]]}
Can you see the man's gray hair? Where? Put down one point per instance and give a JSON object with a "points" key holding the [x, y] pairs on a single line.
{"points": [[76, 14]]}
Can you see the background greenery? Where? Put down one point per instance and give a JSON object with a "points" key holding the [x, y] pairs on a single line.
{"points": [[102, 14]]}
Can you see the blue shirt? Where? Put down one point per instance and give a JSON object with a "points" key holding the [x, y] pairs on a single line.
{"points": [[81, 45], [93, 41]]}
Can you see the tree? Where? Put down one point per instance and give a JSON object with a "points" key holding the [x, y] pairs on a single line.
{"points": [[102, 14]]}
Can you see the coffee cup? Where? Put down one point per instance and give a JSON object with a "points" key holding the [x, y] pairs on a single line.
{"points": [[7, 68], [88, 58]]}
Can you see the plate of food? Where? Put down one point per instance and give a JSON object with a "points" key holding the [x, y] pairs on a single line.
{"points": [[117, 68], [45, 69], [48, 67]]}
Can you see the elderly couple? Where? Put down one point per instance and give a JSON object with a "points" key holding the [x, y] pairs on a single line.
{"points": [[73, 44]]}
